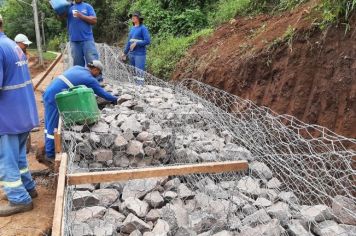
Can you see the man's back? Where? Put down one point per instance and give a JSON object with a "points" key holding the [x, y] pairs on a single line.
{"points": [[18, 111]]}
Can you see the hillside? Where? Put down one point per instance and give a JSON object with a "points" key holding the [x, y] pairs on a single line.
{"points": [[283, 62]]}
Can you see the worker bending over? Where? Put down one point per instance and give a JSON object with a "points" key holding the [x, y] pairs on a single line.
{"points": [[18, 116], [74, 76]]}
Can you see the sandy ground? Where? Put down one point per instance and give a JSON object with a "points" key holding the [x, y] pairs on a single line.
{"points": [[39, 220]]}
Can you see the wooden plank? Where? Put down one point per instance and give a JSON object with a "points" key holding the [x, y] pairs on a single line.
{"points": [[111, 176], [58, 208], [49, 70], [58, 138]]}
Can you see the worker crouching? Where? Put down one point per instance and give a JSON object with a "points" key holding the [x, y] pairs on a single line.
{"points": [[74, 76]]}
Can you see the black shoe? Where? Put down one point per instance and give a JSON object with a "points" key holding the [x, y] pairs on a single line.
{"points": [[33, 194]]}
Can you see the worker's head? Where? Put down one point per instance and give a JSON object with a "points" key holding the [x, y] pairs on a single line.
{"points": [[96, 68], [136, 18], [1, 23], [22, 41]]}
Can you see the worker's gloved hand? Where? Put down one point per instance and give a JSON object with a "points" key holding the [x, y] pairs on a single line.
{"points": [[132, 46], [123, 57]]}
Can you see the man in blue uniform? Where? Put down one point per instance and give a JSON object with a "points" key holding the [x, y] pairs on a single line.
{"points": [[74, 76], [80, 18], [18, 116]]}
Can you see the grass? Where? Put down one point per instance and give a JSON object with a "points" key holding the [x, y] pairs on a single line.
{"points": [[226, 10], [47, 56]]}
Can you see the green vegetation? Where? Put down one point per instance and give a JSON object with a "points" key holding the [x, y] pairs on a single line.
{"points": [[48, 56], [174, 24]]}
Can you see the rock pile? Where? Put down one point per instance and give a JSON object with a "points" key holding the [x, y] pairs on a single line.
{"points": [[156, 127]]}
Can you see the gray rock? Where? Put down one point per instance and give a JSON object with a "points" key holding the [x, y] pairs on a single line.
{"points": [[224, 233], [107, 140], [238, 201], [83, 199], [132, 124], [153, 215], [288, 197], [105, 229], [280, 211], [144, 137], [112, 216], [344, 209], [107, 196], [274, 183], [133, 223], [296, 228], [129, 104], [124, 97], [234, 152], [100, 127], [135, 148], [121, 161], [183, 231], [350, 229], [85, 187], [259, 217], [249, 209], [175, 215], [269, 194], [329, 228], [201, 222], [128, 135], [154, 199], [85, 214], [150, 151], [84, 149], [270, 229], [260, 170], [161, 228], [316, 213], [136, 206], [136, 233], [81, 229], [120, 143], [262, 202], [103, 155], [169, 195], [249, 185], [94, 139], [139, 188], [184, 192]]}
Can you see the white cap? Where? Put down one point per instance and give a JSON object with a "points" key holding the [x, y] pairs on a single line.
{"points": [[21, 38], [97, 64]]}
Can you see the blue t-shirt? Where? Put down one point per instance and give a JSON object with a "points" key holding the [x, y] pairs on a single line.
{"points": [[77, 75], [78, 29], [141, 36], [18, 111]]}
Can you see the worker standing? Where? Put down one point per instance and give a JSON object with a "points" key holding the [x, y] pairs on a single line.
{"points": [[135, 49], [80, 19], [18, 116], [74, 76]]}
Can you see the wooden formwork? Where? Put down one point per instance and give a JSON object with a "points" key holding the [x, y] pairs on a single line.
{"points": [[65, 179]]}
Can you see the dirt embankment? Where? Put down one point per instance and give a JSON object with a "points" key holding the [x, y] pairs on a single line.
{"points": [[285, 63]]}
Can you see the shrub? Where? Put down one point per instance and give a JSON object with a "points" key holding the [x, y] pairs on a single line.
{"points": [[227, 9], [164, 54]]}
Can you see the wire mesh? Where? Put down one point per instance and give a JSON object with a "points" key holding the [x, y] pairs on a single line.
{"points": [[300, 179]]}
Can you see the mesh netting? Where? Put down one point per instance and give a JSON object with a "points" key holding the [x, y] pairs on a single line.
{"points": [[300, 177]]}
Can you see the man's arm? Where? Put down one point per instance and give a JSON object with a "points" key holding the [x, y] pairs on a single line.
{"points": [[98, 90], [146, 38], [89, 19], [1, 72]]}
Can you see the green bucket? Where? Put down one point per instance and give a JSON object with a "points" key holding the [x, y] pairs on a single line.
{"points": [[78, 105]]}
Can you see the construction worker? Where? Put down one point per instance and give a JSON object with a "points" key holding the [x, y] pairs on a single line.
{"points": [[135, 49], [18, 116], [80, 19], [23, 42], [74, 76]]}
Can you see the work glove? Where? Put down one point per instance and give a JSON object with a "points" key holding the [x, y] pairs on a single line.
{"points": [[123, 57]]}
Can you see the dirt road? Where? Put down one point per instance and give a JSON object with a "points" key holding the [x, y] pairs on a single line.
{"points": [[38, 221]]}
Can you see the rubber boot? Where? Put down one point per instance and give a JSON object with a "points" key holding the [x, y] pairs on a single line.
{"points": [[33, 194], [13, 209]]}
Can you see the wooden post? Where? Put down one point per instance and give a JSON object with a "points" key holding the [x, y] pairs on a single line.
{"points": [[48, 71], [119, 175], [58, 208], [58, 138]]}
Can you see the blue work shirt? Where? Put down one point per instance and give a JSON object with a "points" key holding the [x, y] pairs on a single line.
{"points": [[141, 36], [18, 111], [77, 75], [78, 29]]}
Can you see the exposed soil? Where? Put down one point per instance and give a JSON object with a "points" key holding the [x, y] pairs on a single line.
{"points": [[38, 221], [303, 72]]}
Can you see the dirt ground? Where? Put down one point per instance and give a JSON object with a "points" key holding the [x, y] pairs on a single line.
{"points": [[283, 62], [39, 220]]}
